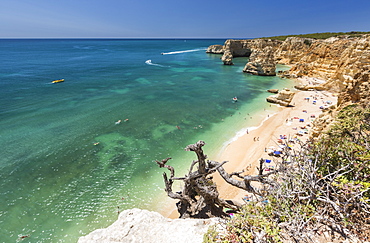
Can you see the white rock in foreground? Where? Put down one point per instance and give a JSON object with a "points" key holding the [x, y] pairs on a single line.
{"points": [[136, 225]]}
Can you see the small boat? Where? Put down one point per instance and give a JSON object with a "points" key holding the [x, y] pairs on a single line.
{"points": [[58, 81], [235, 99]]}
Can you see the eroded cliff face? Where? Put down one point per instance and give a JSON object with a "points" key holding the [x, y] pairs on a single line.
{"points": [[235, 48], [292, 50], [261, 52], [216, 49], [343, 62], [261, 62]]}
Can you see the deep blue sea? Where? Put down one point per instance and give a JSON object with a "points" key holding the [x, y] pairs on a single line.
{"points": [[67, 168]]}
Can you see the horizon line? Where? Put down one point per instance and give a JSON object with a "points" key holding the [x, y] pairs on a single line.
{"points": [[127, 37]]}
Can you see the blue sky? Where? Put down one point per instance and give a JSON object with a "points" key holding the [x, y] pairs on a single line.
{"points": [[179, 19]]}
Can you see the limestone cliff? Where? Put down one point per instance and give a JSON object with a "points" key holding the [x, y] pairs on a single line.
{"points": [[344, 63], [292, 50], [216, 49], [136, 225], [260, 50], [261, 62]]}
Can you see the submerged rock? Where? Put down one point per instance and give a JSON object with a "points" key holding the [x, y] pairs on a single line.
{"points": [[136, 225]]}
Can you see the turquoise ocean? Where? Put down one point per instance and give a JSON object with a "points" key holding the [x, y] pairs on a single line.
{"points": [[66, 168]]}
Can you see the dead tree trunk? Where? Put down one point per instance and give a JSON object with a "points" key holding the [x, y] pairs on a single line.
{"points": [[199, 197]]}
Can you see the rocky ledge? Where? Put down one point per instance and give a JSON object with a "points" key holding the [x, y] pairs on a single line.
{"points": [[136, 225], [283, 97]]}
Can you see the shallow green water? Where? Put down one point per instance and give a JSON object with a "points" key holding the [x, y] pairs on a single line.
{"points": [[66, 166]]}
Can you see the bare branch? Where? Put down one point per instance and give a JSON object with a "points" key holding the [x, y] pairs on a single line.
{"points": [[197, 148]]}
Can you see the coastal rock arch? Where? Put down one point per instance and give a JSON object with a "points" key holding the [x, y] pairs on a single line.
{"points": [[260, 52]]}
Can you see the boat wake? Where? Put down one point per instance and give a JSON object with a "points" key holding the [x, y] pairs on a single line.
{"points": [[178, 52], [149, 62]]}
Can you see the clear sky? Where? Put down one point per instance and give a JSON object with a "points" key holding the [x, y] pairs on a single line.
{"points": [[179, 19]]}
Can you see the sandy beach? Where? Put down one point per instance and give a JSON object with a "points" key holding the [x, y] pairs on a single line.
{"points": [[289, 122], [245, 152]]}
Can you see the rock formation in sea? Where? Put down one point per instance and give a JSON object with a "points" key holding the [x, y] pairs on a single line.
{"points": [[261, 62], [215, 49], [260, 52]]}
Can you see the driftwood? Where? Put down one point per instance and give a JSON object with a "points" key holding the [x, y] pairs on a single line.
{"points": [[199, 197]]}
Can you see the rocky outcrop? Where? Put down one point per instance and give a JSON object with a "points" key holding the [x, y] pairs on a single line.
{"points": [[260, 51], [235, 48], [238, 48], [358, 90], [283, 98], [227, 58], [244, 48], [274, 91], [136, 226], [261, 62], [216, 49], [292, 50]]}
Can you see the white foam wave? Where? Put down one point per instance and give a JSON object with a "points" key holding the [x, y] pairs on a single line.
{"points": [[243, 131], [178, 52], [149, 62]]}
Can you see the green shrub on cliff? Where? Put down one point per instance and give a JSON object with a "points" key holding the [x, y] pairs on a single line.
{"points": [[347, 145], [319, 35]]}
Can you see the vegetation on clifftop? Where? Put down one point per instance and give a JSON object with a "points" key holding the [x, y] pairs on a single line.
{"points": [[319, 35], [323, 190]]}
